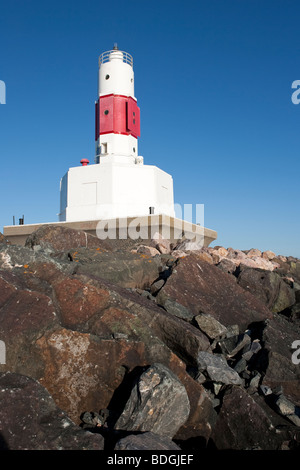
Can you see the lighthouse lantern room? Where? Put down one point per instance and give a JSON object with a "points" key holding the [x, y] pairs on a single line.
{"points": [[118, 184]]}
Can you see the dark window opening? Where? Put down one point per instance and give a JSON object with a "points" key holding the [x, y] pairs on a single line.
{"points": [[106, 77], [151, 210], [106, 112]]}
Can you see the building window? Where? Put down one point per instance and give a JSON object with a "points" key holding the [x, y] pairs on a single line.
{"points": [[106, 112], [106, 77]]}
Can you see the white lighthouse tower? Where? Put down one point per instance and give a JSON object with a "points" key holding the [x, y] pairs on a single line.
{"points": [[117, 184]]}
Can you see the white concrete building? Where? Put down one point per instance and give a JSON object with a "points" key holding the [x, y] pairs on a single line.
{"points": [[118, 184]]}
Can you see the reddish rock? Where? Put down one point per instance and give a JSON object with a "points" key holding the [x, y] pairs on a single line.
{"points": [[6, 290], [242, 424], [236, 254], [58, 238], [269, 255], [81, 372], [204, 256], [194, 283], [84, 334], [24, 318], [30, 420], [258, 262], [254, 253], [219, 251], [160, 243], [80, 369], [79, 301]]}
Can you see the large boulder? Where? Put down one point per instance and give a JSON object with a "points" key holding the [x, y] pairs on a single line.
{"points": [[75, 321], [268, 287], [130, 270], [69, 327], [56, 238], [202, 287], [242, 424], [70, 363], [217, 369], [30, 420], [158, 403]]}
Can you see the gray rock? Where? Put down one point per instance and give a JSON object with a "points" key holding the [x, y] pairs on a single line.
{"points": [[232, 330], [146, 441], [227, 266], [16, 257], [217, 369], [200, 378], [173, 307], [232, 345], [126, 269], [190, 245], [288, 409], [254, 347], [265, 390], [158, 403], [268, 287], [156, 286], [241, 365], [254, 383], [210, 326]]}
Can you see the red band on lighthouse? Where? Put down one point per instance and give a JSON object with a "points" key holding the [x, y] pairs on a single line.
{"points": [[117, 114]]}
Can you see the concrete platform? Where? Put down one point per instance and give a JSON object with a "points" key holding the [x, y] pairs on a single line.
{"points": [[145, 228]]}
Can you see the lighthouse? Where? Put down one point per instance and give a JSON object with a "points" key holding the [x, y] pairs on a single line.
{"points": [[117, 184], [114, 194], [117, 121]]}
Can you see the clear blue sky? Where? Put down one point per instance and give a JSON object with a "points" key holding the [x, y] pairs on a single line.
{"points": [[213, 80]]}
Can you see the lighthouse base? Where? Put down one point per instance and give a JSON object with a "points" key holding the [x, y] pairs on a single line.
{"points": [[140, 228], [114, 189]]}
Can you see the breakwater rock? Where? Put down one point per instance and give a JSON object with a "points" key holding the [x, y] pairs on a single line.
{"points": [[129, 344]]}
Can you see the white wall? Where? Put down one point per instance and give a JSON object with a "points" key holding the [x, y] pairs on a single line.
{"points": [[115, 190], [121, 77]]}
